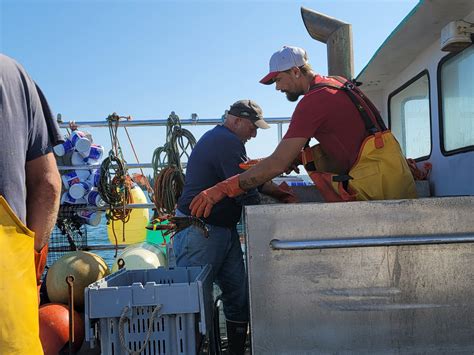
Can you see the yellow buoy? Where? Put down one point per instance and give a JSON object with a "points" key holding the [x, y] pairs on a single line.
{"points": [[135, 231], [141, 256], [85, 267]]}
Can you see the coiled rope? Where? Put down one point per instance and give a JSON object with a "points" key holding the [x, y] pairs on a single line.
{"points": [[167, 168], [115, 184]]}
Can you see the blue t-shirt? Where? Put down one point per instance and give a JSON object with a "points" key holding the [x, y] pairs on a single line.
{"points": [[216, 157], [23, 132]]}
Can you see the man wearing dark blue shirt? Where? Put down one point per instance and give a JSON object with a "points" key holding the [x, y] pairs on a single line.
{"points": [[215, 158]]}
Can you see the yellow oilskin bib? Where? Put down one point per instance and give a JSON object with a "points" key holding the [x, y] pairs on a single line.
{"points": [[379, 173], [19, 323]]}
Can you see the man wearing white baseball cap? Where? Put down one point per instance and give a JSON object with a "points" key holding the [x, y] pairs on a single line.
{"points": [[357, 158], [283, 60]]}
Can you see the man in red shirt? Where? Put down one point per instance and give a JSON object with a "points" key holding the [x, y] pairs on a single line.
{"points": [[325, 113]]}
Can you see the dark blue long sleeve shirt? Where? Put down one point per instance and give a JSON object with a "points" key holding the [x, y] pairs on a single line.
{"points": [[216, 157]]}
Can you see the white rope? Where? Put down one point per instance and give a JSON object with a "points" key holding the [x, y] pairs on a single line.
{"points": [[124, 318]]}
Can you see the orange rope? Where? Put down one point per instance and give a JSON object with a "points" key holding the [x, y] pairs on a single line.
{"points": [[147, 183]]}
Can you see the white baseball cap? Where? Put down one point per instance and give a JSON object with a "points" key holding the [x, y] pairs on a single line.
{"points": [[284, 59]]}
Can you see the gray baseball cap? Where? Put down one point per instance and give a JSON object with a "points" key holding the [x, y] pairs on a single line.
{"points": [[250, 110]]}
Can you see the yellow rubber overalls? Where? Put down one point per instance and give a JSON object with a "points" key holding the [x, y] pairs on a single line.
{"points": [[19, 323], [380, 171]]}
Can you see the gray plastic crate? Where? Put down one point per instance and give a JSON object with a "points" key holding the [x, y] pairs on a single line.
{"points": [[122, 305]]}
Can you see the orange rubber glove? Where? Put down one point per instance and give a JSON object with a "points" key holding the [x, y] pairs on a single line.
{"points": [[250, 163], [202, 204], [285, 194], [40, 262]]}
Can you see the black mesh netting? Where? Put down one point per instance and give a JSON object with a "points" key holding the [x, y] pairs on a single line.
{"points": [[69, 234]]}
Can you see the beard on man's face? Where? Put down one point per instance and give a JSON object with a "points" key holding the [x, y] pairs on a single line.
{"points": [[293, 96]]}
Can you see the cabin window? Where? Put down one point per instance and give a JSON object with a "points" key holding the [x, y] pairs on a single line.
{"points": [[409, 117], [457, 101]]}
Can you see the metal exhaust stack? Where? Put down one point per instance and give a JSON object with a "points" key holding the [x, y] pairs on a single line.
{"points": [[338, 37]]}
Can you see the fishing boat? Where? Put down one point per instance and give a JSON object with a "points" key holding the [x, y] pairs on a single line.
{"points": [[391, 277], [388, 277]]}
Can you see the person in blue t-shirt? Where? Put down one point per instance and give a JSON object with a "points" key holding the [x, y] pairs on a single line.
{"points": [[30, 187], [215, 158]]}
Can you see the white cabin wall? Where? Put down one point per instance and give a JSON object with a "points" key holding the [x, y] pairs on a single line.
{"points": [[377, 98], [451, 175]]}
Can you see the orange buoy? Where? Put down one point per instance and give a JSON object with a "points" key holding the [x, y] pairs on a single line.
{"points": [[54, 328]]}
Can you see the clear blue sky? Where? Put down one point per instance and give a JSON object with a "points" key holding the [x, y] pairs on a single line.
{"points": [[148, 58]]}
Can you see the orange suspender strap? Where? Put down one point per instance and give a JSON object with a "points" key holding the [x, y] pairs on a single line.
{"points": [[378, 140]]}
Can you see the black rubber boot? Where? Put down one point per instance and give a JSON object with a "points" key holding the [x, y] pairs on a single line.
{"points": [[236, 336]]}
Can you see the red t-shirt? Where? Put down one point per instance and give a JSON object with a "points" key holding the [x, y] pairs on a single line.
{"points": [[331, 117]]}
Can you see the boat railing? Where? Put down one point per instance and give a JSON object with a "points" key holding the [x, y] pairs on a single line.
{"points": [[194, 121], [279, 121]]}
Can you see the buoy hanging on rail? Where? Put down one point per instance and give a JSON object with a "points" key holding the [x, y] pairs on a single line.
{"points": [[135, 231]]}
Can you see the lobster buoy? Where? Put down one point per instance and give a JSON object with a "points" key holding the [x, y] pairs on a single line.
{"points": [[141, 256], [135, 231], [54, 328], [85, 267]]}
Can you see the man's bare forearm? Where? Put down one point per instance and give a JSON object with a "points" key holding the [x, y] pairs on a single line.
{"points": [[43, 193], [259, 174], [274, 165]]}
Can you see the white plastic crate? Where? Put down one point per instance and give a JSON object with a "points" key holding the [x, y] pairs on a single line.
{"points": [[158, 311]]}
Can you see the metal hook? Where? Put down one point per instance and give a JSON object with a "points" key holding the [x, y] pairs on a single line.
{"points": [[70, 284]]}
